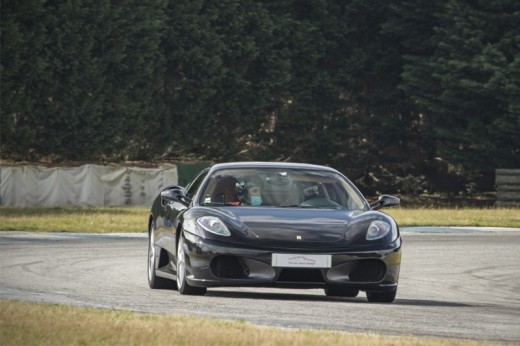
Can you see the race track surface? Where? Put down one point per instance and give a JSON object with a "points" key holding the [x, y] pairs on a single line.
{"points": [[464, 284]]}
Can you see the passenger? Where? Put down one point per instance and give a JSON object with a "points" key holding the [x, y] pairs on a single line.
{"points": [[254, 195]]}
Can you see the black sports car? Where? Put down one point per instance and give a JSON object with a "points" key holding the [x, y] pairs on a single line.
{"points": [[275, 225]]}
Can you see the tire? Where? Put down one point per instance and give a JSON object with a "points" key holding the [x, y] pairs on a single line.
{"points": [[341, 292], [381, 297], [154, 281], [182, 284]]}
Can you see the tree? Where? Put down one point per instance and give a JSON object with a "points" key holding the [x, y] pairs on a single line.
{"points": [[86, 79], [224, 72], [344, 108], [23, 35], [467, 87]]}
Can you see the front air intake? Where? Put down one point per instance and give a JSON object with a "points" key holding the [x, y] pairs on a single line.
{"points": [[369, 270], [229, 267]]}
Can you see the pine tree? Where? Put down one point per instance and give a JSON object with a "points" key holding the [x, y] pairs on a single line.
{"points": [[81, 79], [467, 87], [23, 35]]}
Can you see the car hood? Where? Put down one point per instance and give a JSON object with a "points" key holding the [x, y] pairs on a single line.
{"points": [[294, 225]]}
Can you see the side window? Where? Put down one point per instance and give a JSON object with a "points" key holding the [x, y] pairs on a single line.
{"points": [[194, 185]]}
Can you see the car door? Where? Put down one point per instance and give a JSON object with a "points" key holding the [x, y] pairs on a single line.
{"points": [[174, 206]]}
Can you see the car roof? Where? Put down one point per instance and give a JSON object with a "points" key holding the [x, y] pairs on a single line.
{"points": [[260, 164]]}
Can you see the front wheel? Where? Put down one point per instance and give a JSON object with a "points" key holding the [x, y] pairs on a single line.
{"points": [[154, 281], [381, 297], [182, 284]]}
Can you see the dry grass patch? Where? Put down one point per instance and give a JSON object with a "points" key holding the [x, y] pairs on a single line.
{"points": [[38, 324], [134, 220], [487, 217], [78, 220]]}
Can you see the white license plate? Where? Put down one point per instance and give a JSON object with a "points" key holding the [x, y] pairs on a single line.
{"points": [[301, 261]]}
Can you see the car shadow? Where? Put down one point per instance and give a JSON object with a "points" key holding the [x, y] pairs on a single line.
{"points": [[361, 299], [427, 302]]}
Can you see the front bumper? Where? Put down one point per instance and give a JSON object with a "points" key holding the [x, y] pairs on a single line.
{"points": [[211, 264]]}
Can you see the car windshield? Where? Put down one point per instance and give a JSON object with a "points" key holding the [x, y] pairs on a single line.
{"points": [[280, 188]]}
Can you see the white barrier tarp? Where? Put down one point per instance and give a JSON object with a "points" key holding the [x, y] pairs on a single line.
{"points": [[84, 186]]}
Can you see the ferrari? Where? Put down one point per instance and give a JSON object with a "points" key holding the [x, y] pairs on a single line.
{"points": [[273, 224]]}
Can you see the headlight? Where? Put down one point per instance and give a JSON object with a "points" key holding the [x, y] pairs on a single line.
{"points": [[214, 225], [378, 229]]}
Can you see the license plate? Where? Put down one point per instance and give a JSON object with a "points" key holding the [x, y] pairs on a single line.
{"points": [[301, 261]]}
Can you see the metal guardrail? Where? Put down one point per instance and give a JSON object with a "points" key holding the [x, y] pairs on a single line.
{"points": [[508, 187]]}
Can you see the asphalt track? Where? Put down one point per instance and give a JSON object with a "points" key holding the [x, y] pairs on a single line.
{"points": [[461, 283]]}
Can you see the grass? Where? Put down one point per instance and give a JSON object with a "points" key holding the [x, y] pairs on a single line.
{"points": [[77, 220], [133, 220], [39, 324], [481, 217]]}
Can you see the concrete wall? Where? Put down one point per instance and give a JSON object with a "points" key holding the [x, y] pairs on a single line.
{"points": [[508, 187]]}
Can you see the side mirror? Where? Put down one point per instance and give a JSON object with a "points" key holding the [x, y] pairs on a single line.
{"points": [[385, 201], [175, 194]]}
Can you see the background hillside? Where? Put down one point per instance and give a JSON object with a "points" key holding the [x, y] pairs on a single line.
{"points": [[401, 96]]}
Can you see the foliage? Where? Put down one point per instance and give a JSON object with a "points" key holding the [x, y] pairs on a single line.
{"points": [[389, 92], [23, 323], [467, 85], [133, 220], [78, 77]]}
